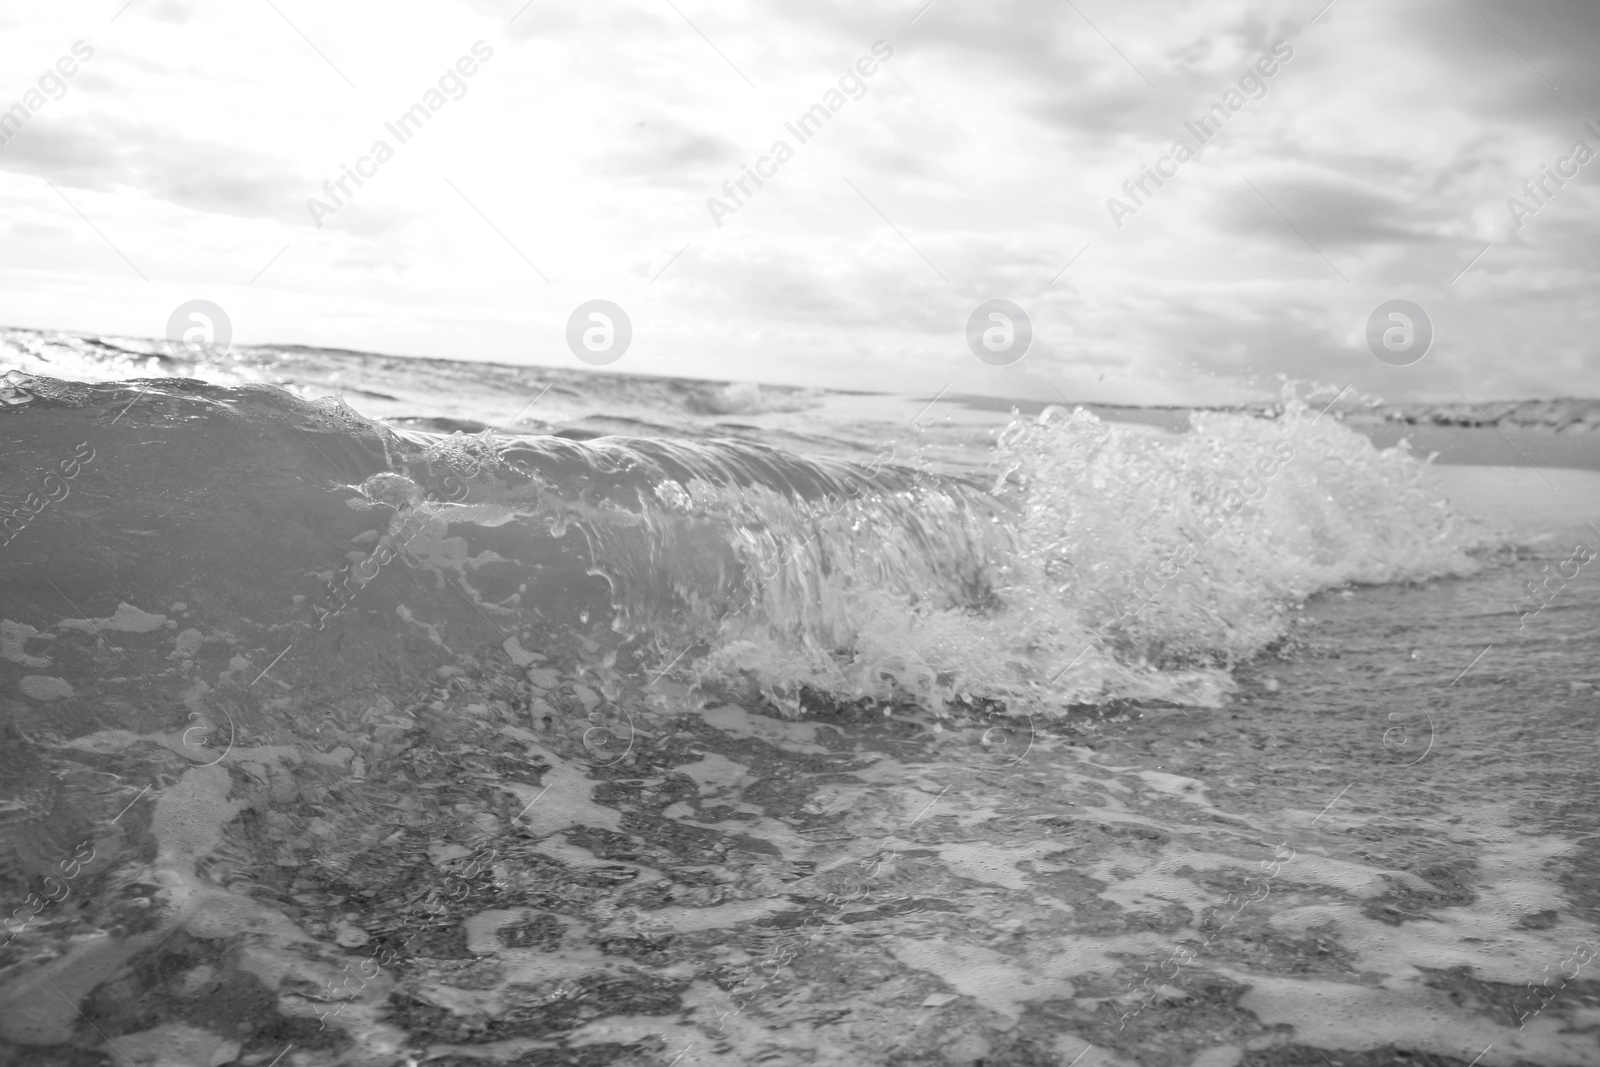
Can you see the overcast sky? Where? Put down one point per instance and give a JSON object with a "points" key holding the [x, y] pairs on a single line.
{"points": [[576, 162]]}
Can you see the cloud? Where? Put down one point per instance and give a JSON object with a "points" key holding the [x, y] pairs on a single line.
{"points": [[990, 141], [1327, 213], [176, 12], [663, 148], [105, 153]]}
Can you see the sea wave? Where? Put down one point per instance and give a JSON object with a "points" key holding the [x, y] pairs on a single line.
{"points": [[1099, 563], [1105, 563]]}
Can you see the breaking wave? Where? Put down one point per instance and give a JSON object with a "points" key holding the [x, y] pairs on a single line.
{"points": [[1096, 563]]}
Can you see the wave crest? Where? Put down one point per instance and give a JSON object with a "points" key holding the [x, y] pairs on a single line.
{"points": [[1100, 562], [1131, 565]]}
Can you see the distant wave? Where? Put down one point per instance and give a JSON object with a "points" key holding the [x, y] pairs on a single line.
{"points": [[1562, 414], [432, 393]]}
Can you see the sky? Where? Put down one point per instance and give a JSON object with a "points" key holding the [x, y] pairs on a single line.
{"points": [[985, 157]]}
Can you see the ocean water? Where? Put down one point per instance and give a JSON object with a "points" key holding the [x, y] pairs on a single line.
{"points": [[377, 711]]}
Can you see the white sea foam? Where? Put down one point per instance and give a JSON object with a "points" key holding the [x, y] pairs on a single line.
{"points": [[1117, 564]]}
